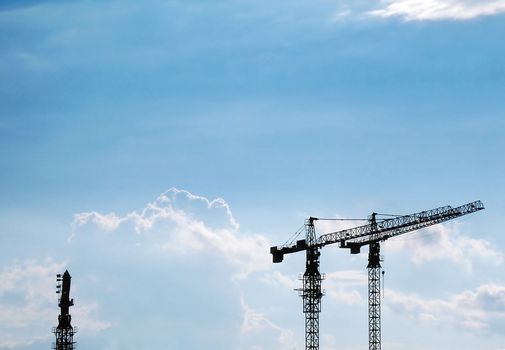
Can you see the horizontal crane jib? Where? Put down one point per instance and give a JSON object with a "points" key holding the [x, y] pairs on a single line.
{"points": [[388, 228], [381, 230]]}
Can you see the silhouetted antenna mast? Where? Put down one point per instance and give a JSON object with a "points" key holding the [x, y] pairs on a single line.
{"points": [[64, 332]]}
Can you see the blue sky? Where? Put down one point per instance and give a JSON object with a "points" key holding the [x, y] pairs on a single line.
{"points": [[158, 149]]}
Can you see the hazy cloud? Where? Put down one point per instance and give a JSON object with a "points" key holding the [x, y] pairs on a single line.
{"points": [[481, 309], [280, 280], [446, 242], [257, 322], [345, 286]]}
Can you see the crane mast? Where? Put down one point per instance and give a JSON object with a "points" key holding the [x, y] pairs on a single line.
{"points": [[371, 234], [311, 291], [64, 332], [374, 292]]}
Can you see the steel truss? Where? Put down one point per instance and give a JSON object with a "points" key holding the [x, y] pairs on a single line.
{"points": [[374, 301], [311, 291], [64, 338], [312, 294]]}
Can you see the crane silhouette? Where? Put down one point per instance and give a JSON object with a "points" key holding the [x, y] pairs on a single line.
{"points": [[64, 332], [377, 230]]}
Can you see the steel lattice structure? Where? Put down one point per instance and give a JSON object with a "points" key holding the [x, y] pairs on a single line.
{"points": [[311, 291], [374, 299], [64, 332], [64, 338], [372, 234]]}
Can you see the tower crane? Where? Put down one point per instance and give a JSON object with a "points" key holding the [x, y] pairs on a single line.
{"points": [[64, 332], [377, 230]]}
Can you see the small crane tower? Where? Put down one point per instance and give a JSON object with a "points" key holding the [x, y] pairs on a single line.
{"points": [[64, 332]]}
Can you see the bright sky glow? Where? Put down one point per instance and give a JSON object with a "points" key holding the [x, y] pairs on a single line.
{"points": [[157, 149]]}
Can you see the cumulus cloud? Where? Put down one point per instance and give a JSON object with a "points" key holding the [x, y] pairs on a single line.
{"points": [[446, 242], [178, 223], [478, 310], [28, 304], [182, 221], [419, 10]]}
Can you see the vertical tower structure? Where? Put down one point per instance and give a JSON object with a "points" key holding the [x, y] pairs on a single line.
{"points": [[374, 300], [311, 290], [64, 332]]}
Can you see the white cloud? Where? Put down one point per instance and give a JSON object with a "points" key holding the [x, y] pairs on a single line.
{"points": [[181, 221], [419, 10], [343, 286], [83, 314], [350, 278], [278, 279], [341, 14], [256, 322], [446, 242], [28, 304], [475, 310]]}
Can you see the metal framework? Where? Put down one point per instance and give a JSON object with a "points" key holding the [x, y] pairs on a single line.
{"points": [[374, 299], [372, 234], [64, 332], [374, 292], [311, 291], [385, 229], [64, 338]]}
